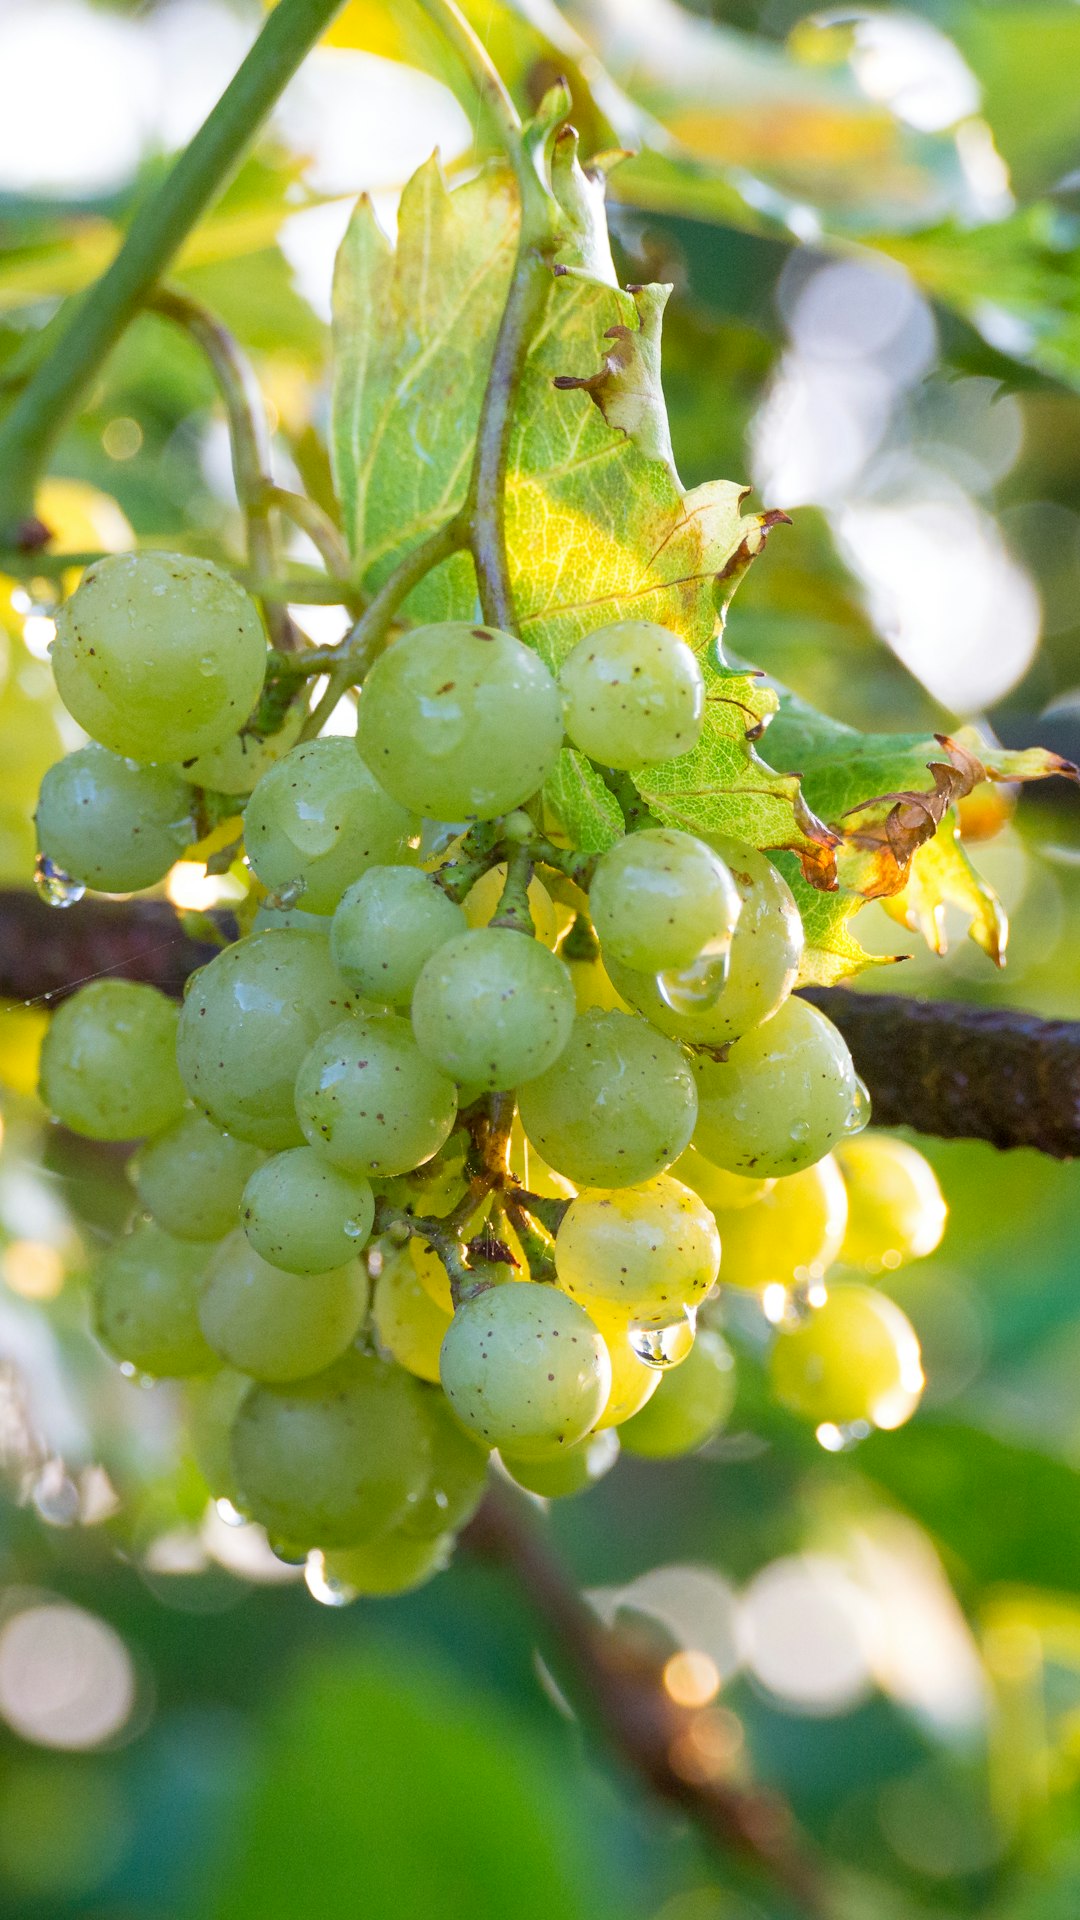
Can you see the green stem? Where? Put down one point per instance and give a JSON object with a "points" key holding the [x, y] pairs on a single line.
{"points": [[370, 631], [495, 101], [550, 1213], [98, 318], [249, 438], [487, 491], [318, 526], [514, 911]]}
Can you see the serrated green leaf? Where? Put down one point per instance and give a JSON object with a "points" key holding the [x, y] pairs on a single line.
{"points": [[588, 814], [724, 787]]}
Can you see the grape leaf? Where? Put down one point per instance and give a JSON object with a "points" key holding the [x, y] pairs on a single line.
{"points": [[588, 814], [724, 787], [831, 952], [941, 873]]}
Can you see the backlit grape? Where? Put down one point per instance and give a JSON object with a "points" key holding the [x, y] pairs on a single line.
{"points": [[276, 1325], [108, 1063], [369, 1100], [690, 1406], [318, 820], [856, 1358], [525, 1368], [617, 1107], [388, 923], [661, 899], [493, 1008], [192, 1176], [302, 1214], [642, 1253], [147, 1289], [792, 1234], [784, 1095], [896, 1210], [111, 823], [633, 693]]}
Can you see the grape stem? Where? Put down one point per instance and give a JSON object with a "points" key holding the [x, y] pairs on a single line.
{"points": [[550, 1212], [615, 1679], [536, 1249], [514, 911], [249, 440], [321, 531], [439, 1235], [96, 320]]}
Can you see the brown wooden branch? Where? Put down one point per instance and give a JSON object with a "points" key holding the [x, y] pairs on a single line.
{"points": [[963, 1072], [683, 1754]]}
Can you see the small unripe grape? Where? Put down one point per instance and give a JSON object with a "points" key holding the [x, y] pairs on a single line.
{"points": [[458, 1477], [395, 1562], [108, 1062], [896, 1209], [792, 1234], [318, 820], [856, 1358], [691, 1406], [573, 1470], [641, 1254], [369, 1100], [660, 899], [409, 1324], [274, 1325], [192, 1176], [785, 1094], [633, 693], [460, 721], [525, 1368], [336, 1459], [493, 1008], [763, 961], [147, 1289], [212, 1406], [248, 1020], [388, 923], [302, 1214], [482, 901], [111, 823], [722, 1191], [617, 1107], [633, 1383], [159, 655]]}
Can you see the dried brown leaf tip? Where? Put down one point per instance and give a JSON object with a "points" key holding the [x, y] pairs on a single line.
{"points": [[627, 387]]}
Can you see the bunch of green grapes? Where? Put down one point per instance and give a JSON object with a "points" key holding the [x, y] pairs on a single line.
{"points": [[439, 1159]]}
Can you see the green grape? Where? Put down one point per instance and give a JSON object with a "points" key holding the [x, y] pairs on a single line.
{"points": [[239, 765], [147, 1289], [159, 655], [394, 1563], [573, 1470], [266, 917], [212, 1406], [531, 1169], [409, 1324], [633, 1381], [108, 1062], [722, 1191], [460, 722], [482, 904], [248, 1020], [274, 1325], [525, 1368], [192, 1176], [335, 1460], [854, 1359], [369, 1100], [896, 1210], [113, 824], [317, 821], [458, 1477], [493, 1008], [792, 1234], [641, 1255], [692, 1404], [633, 693], [784, 1095], [387, 925], [304, 1215], [763, 963], [664, 900], [617, 1107]]}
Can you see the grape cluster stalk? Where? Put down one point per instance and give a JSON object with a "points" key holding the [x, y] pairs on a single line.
{"points": [[451, 1155]]}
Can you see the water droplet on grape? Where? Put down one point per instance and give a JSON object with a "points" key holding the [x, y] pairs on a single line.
{"points": [[859, 1117], [323, 1587], [696, 988], [56, 887], [800, 1130], [354, 1229], [663, 1346], [287, 896], [55, 1495], [229, 1515], [207, 665]]}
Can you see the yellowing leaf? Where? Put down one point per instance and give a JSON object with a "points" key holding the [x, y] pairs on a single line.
{"points": [[941, 872]]}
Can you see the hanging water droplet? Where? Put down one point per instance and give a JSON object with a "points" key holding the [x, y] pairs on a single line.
{"points": [[207, 665], [841, 1439], [229, 1515], [663, 1346], [355, 1229], [800, 1130], [289, 1554], [287, 896], [56, 887], [55, 1495], [323, 1587], [696, 988], [859, 1117]]}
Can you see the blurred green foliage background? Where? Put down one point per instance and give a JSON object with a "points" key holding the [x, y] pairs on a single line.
{"points": [[872, 221]]}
